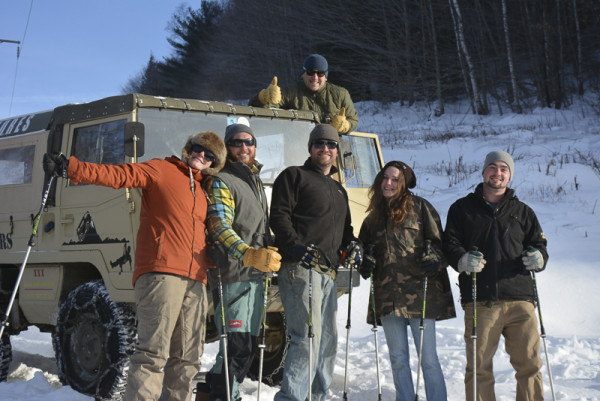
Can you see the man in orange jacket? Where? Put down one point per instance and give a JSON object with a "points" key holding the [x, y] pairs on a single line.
{"points": [[171, 260]]}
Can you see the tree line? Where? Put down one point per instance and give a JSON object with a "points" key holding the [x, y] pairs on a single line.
{"points": [[501, 53]]}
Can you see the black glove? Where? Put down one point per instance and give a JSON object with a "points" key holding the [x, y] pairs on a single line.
{"points": [[56, 163], [354, 253], [306, 255], [367, 267], [430, 260], [369, 263]]}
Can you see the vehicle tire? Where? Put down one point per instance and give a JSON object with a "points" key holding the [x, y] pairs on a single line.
{"points": [[93, 340], [276, 347], [5, 355]]}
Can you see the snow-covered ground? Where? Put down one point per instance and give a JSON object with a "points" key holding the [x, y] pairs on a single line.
{"points": [[557, 172]]}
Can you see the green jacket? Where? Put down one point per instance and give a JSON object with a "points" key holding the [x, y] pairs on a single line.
{"points": [[398, 278], [326, 102]]}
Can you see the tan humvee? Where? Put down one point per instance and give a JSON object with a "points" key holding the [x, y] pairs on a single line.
{"points": [[77, 280]]}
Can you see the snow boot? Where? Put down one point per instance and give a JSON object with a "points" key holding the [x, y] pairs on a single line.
{"points": [[202, 391]]}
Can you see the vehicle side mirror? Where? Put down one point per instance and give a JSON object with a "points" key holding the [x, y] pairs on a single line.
{"points": [[346, 156], [133, 139]]}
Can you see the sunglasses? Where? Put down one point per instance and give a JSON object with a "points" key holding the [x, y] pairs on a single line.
{"points": [[237, 143], [310, 73], [321, 144], [208, 155]]}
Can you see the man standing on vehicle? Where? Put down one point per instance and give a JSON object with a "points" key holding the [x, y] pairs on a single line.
{"points": [[310, 218], [331, 103], [238, 223], [493, 236], [171, 260]]}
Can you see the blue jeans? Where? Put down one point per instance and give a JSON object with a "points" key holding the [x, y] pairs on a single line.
{"points": [[395, 329], [293, 285]]}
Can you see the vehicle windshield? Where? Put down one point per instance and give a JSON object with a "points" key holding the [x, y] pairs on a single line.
{"points": [[366, 162], [280, 142]]}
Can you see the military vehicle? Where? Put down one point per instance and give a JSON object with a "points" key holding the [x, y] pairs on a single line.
{"points": [[77, 283]]}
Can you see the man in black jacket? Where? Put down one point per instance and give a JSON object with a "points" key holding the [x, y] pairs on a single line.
{"points": [[493, 234], [310, 218]]}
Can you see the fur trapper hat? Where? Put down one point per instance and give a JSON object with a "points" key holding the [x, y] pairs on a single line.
{"points": [[210, 141]]}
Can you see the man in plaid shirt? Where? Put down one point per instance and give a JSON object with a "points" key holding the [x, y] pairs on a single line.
{"points": [[237, 222]]}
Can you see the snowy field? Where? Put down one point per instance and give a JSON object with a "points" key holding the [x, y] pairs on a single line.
{"points": [[557, 172]]}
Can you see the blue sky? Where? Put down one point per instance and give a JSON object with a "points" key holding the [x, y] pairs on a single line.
{"points": [[77, 50]]}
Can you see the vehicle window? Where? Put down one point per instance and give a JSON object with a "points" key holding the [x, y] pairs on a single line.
{"points": [[280, 143], [100, 143], [366, 162], [16, 165]]}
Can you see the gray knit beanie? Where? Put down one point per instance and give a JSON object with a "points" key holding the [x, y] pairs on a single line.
{"points": [[502, 156], [323, 131], [233, 129]]}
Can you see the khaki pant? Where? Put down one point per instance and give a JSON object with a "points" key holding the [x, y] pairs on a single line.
{"points": [[517, 322], [171, 313]]}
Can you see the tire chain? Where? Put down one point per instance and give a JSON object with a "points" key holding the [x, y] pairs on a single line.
{"points": [[269, 378], [5, 356], [125, 326]]}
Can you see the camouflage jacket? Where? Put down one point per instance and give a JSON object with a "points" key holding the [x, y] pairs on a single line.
{"points": [[398, 278]]}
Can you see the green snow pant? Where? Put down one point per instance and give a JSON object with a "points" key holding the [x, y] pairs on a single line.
{"points": [[243, 313]]}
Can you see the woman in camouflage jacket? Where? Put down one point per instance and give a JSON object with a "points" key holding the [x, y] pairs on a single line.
{"points": [[397, 229]]}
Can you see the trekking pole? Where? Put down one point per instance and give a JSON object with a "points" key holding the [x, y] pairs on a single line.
{"points": [[310, 332], [375, 329], [348, 324], [474, 332], [30, 245], [422, 329], [261, 346], [422, 323], [224, 333], [543, 332]]}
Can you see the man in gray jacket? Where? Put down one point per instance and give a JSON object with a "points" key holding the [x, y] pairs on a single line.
{"points": [[238, 223]]}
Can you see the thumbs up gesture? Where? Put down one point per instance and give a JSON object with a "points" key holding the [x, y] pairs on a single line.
{"points": [[271, 94], [339, 121]]}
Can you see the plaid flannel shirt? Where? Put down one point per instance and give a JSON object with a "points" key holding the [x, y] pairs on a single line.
{"points": [[220, 216]]}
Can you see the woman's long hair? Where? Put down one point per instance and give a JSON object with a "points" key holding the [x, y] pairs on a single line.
{"points": [[398, 206]]}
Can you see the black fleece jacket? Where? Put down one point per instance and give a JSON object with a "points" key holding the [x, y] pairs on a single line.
{"points": [[308, 207], [501, 234]]}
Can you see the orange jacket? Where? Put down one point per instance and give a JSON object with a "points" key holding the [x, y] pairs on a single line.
{"points": [[171, 235]]}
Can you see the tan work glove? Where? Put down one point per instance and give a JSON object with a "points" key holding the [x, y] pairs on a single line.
{"points": [[264, 259], [340, 123], [272, 93]]}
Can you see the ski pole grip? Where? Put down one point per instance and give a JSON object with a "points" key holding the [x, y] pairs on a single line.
{"points": [[475, 251]]}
